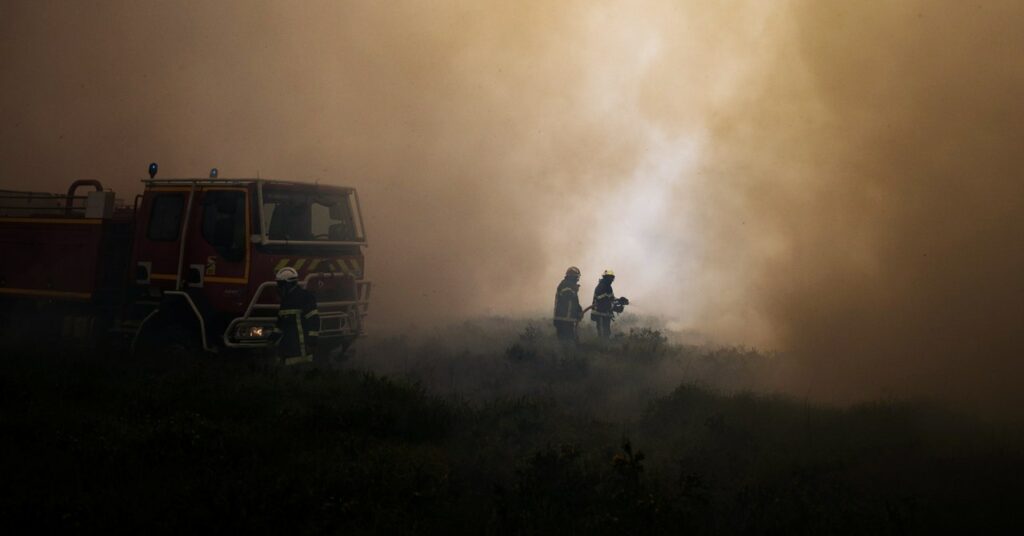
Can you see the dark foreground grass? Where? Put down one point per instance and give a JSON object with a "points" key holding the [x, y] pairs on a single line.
{"points": [[215, 445]]}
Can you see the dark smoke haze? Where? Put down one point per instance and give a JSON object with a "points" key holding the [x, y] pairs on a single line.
{"points": [[838, 180]]}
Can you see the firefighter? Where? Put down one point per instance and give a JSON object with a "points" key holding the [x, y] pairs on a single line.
{"points": [[567, 306], [298, 320], [604, 304]]}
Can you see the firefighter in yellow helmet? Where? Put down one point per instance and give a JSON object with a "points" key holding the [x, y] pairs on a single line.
{"points": [[604, 304], [298, 320], [567, 306]]}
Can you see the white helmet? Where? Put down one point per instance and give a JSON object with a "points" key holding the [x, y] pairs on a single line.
{"points": [[287, 274]]}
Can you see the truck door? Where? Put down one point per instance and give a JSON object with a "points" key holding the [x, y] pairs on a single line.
{"points": [[217, 255], [158, 240]]}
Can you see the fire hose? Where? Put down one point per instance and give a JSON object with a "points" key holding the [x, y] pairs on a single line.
{"points": [[618, 306]]}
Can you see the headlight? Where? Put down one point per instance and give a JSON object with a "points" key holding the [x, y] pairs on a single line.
{"points": [[253, 331]]}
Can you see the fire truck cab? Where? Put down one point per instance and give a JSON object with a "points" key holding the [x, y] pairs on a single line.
{"points": [[206, 252], [191, 263]]}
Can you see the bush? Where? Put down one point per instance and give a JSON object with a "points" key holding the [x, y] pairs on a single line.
{"points": [[644, 344], [100, 443]]}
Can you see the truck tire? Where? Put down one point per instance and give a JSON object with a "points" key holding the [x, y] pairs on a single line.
{"points": [[167, 339], [341, 351]]}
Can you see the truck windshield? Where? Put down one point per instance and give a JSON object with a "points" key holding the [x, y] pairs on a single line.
{"points": [[294, 215]]}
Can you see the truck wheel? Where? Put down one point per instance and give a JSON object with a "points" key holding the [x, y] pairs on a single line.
{"points": [[341, 352], [181, 341], [167, 341]]}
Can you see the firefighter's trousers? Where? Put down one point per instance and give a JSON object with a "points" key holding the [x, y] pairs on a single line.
{"points": [[566, 331]]}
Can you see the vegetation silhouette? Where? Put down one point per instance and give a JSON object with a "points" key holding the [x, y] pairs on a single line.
{"points": [[215, 443]]}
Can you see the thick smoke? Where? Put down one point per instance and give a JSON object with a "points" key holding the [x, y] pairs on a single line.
{"points": [[880, 156], [493, 145], [836, 180]]}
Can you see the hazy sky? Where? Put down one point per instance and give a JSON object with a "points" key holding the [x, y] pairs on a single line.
{"points": [[838, 180]]}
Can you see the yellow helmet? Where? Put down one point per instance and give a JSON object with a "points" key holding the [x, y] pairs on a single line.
{"points": [[608, 273]]}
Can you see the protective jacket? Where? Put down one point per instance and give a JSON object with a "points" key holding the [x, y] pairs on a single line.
{"points": [[299, 323], [604, 300], [567, 302]]}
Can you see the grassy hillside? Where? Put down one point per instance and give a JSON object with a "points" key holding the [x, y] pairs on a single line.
{"points": [[511, 436]]}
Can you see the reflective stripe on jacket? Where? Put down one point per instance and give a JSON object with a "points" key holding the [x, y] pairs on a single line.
{"points": [[567, 302], [604, 300]]}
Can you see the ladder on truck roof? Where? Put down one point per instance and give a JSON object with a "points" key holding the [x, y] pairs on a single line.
{"points": [[29, 204], [231, 182]]}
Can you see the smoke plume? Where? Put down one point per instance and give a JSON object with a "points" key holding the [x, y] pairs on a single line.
{"points": [[879, 159], [839, 181]]}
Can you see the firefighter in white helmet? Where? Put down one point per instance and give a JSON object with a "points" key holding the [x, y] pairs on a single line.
{"points": [[298, 320], [567, 306]]}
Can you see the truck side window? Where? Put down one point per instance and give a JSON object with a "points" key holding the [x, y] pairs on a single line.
{"points": [[224, 223], [165, 217]]}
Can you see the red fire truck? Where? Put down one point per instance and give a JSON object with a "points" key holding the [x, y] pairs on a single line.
{"points": [[190, 263]]}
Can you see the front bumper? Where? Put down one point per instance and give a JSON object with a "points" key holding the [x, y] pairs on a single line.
{"points": [[338, 319]]}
